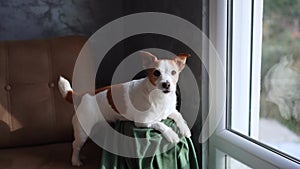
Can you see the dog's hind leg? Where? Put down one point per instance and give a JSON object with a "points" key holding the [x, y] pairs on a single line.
{"points": [[80, 139], [83, 123]]}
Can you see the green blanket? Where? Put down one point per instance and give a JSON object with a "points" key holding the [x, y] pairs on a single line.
{"points": [[179, 156]]}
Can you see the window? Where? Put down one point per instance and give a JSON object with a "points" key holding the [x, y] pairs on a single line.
{"points": [[259, 43]]}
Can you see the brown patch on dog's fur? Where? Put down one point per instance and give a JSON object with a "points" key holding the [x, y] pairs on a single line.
{"points": [[185, 55], [151, 77], [180, 60], [71, 94], [111, 101], [69, 97], [109, 96], [102, 89]]}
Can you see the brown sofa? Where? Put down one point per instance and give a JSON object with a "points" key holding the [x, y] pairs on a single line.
{"points": [[35, 122]]}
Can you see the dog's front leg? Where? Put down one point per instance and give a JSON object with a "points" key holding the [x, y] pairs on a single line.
{"points": [[181, 123], [166, 131]]}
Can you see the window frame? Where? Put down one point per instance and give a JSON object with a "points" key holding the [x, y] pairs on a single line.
{"points": [[244, 149]]}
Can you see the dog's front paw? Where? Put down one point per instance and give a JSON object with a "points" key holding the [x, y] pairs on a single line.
{"points": [[171, 136], [184, 129]]}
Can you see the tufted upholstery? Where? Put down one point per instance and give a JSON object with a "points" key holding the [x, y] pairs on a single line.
{"points": [[32, 111]]}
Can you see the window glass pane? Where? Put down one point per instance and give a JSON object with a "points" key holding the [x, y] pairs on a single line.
{"points": [[232, 163], [279, 123], [228, 162], [276, 121]]}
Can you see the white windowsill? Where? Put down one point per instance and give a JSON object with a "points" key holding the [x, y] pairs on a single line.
{"points": [[249, 153]]}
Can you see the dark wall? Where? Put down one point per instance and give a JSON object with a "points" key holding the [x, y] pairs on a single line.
{"points": [[190, 10], [32, 19]]}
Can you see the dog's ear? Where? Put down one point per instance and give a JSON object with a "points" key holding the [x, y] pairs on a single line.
{"points": [[148, 59], [180, 60]]}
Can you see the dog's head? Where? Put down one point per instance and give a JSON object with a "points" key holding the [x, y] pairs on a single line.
{"points": [[164, 73]]}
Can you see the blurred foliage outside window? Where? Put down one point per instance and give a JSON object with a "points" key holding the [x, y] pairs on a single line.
{"points": [[280, 72]]}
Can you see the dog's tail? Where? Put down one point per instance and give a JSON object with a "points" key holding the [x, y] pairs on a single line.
{"points": [[65, 89]]}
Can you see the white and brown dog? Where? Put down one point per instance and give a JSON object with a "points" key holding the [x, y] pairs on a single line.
{"points": [[146, 102]]}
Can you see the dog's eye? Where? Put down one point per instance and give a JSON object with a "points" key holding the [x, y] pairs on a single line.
{"points": [[173, 72], [156, 73]]}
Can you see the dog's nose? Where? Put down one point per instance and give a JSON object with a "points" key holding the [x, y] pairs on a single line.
{"points": [[166, 85]]}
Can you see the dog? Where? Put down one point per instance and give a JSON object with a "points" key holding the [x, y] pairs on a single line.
{"points": [[145, 101]]}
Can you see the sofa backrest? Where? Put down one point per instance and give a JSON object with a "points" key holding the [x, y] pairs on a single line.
{"points": [[32, 110]]}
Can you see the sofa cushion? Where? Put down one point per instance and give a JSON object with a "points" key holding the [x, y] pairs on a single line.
{"points": [[53, 156], [32, 110]]}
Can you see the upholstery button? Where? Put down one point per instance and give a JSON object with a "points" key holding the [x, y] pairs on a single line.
{"points": [[51, 85], [7, 87]]}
